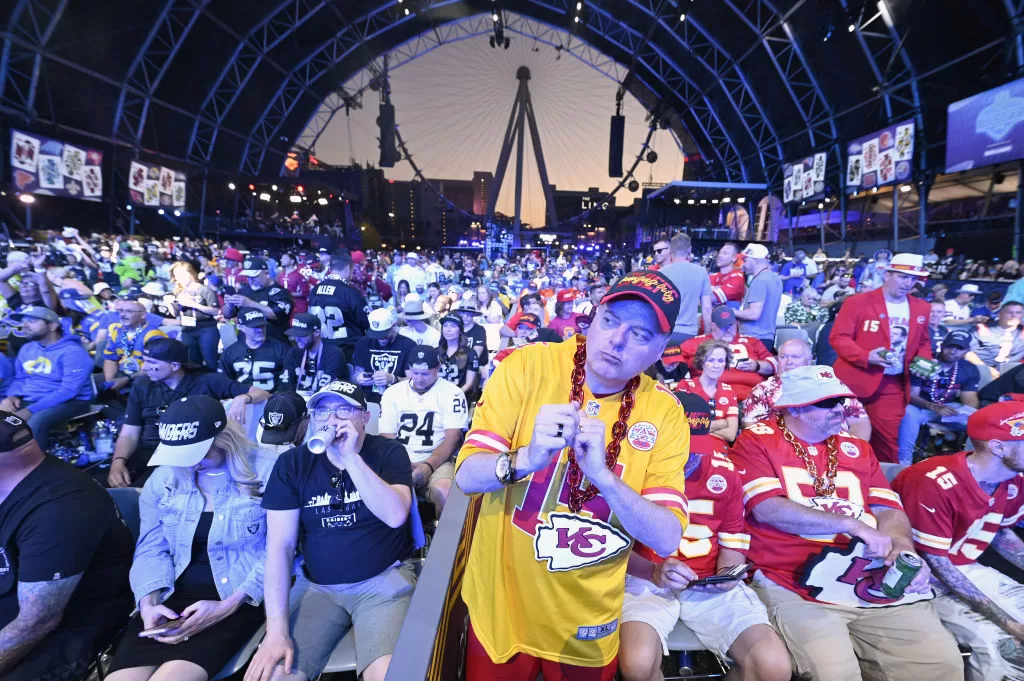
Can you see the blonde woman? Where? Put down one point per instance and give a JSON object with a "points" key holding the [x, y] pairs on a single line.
{"points": [[199, 309], [198, 567]]}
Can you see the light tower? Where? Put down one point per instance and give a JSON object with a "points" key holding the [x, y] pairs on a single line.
{"points": [[522, 114]]}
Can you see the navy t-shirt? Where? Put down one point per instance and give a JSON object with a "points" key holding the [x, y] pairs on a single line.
{"points": [[341, 540], [944, 387]]}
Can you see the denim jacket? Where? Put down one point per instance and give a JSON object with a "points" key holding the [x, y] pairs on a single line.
{"points": [[168, 521]]}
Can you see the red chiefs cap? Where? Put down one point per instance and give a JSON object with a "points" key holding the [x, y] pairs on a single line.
{"points": [[566, 295], [999, 421], [655, 289], [529, 320], [233, 254]]}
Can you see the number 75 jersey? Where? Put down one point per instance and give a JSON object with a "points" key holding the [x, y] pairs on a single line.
{"points": [[540, 579]]}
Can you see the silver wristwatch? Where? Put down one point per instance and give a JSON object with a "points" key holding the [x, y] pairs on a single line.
{"points": [[505, 468]]}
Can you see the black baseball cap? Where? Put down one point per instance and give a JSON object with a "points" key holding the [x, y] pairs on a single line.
{"points": [[187, 429], [723, 317], [253, 267], [350, 392], [423, 354], [252, 317], [166, 350], [652, 287], [303, 324], [699, 416], [14, 432], [530, 320], [452, 319], [133, 293], [959, 338], [281, 417]]}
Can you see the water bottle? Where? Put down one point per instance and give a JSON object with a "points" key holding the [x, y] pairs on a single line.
{"points": [[317, 444]]}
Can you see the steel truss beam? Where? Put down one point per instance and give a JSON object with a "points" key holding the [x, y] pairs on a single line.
{"points": [[776, 37], [371, 26], [690, 36], [32, 23], [480, 25], [251, 52], [150, 66]]}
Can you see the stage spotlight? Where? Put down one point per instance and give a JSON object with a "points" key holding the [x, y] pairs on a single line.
{"points": [[322, 201], [851, 28], [406, 11], [727, 199], [295, 199], [682, 17], [715, 201], [703, 202], [677, 201], [128, 207], [273, 187], [264, 196], [820, 206], [690, 202], [231, 186], [742, 199], [160, 212], [579, 6], [177, 213], [27, 198], [905, 188], [251, 187], [494, 17]]}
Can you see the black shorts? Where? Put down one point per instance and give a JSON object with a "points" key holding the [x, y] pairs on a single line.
{"points": [[210, 649]]}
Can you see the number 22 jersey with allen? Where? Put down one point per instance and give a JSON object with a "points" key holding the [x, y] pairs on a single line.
{"points": [[770, 467], [541, 580], [950, 513]]}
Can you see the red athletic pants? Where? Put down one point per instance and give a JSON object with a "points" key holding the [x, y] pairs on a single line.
{"points": [[885, 411], [523, 667]]}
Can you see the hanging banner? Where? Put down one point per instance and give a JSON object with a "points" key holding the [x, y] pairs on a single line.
{"points": [[986, 129], [157, 186], [880, 159], [42, 165], [804, 180]]}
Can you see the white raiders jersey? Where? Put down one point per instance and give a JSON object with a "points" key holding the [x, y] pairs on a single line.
{"points": [[419, 421]]}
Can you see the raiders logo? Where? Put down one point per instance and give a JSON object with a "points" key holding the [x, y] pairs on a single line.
{"points": [[15, 421], [340, 386], [275, 419]]}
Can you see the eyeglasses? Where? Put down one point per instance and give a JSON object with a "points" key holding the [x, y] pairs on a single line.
{"points": [[659, 250], [345, 412], [830, 403]]}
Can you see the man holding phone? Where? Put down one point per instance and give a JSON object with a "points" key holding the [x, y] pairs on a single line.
{"points": [[726, 615]]}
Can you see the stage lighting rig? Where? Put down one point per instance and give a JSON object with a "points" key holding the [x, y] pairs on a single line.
{"points": [[499, 37]]}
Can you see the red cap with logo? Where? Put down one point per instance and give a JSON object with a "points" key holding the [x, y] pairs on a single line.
{"points": [[566, 295], [655, 289], [1000, 421], [233, 254]]}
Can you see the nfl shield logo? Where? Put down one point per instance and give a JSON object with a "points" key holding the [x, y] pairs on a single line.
{"points": [[592, 408]]}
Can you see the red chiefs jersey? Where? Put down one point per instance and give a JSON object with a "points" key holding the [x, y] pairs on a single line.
{"points": [[724, 402], [769, 467], [728, 286], [950, 513], [743, 347], [715, 494], [233, 277], [296, 285]]}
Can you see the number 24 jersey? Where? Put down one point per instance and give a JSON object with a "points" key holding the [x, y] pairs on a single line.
{"points": [[419, 421]]}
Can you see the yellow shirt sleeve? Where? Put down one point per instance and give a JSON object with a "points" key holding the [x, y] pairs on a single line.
{"points": [[498, 411], [665, 479]]}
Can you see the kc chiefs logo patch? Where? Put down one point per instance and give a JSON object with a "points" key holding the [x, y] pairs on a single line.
{"points": [[570, 542]]}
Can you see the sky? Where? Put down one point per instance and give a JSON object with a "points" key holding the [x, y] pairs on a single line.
{"points": [[453, 104]]}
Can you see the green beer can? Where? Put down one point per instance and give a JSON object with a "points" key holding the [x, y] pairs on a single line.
{"points": [[900, 574]]}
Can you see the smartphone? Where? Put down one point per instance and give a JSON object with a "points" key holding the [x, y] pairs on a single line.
{"points": [[726, 574], [164, 628]]}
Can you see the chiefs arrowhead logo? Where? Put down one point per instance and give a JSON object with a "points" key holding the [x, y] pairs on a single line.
{"points": [[570, 542]]}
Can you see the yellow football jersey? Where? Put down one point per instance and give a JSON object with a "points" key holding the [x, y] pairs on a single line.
{"points": [[541, 580]]}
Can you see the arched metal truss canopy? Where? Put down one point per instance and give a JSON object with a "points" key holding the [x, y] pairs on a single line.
{"points": [[744, 84]]}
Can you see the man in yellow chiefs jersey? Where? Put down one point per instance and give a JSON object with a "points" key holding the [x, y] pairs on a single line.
{"points": [[557, 423]]}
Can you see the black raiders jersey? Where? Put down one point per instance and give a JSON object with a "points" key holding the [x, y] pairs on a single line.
{"points": [[265, 367], [277, 299], [341, 310]]}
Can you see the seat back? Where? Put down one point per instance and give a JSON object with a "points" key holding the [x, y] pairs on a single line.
{"points": [[127, 501]]}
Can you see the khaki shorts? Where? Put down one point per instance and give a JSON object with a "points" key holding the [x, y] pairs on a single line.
{"points": [[717, 619], [841, 643]]}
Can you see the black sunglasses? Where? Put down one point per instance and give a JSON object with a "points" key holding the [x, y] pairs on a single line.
{"points": [[830, 403], [659, 250]]}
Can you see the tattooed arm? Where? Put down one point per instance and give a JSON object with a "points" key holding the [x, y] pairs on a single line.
{"points": [[964, 589], [1008, 545], [40, 608]]}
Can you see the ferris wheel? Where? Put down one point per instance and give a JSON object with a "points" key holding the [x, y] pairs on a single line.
{"points": [[453, 92]]}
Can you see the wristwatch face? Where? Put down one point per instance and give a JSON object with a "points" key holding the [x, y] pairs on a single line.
{"points": [[502, 467]]}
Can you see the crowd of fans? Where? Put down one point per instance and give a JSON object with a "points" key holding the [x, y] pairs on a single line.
{"points": [[281, 410]]}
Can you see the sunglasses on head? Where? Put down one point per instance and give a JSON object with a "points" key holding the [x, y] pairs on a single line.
{"points": [[830, 403]]}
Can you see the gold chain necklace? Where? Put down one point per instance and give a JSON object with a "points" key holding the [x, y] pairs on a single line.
{"points": [[577, 495], [824, 486]]}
